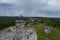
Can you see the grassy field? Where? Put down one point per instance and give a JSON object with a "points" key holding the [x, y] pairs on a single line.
{"points": [[53, 35]]}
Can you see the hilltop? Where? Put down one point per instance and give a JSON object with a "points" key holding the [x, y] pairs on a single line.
{"points": [[39, 25]]}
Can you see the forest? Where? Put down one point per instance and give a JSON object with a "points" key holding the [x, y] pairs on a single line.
{"points": [[6, 21]]}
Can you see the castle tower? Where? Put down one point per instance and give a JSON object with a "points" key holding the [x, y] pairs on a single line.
{"points": [[20, 30], [21, 17]]}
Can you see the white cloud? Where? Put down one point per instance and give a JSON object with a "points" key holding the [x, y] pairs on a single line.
{"points": [[7, 1]]}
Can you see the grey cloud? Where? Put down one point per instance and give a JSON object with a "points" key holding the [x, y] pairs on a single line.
{"points": [[31, 8]]}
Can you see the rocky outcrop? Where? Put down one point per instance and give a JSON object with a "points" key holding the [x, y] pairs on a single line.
{"points": [[18, 33]]}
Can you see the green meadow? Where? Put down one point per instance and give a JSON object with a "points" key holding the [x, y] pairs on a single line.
{"points": [[41, 35]]}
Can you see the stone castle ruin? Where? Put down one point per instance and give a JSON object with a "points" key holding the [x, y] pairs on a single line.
{"points": [[19, 33]]}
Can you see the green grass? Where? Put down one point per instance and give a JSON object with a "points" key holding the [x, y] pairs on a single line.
{"points": [[53, 35]]}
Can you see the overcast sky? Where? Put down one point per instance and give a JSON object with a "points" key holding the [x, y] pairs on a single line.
{"points": [[44, 8]]}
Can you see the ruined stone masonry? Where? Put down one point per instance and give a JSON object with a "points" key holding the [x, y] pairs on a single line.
{"points": [[18, 33]]}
